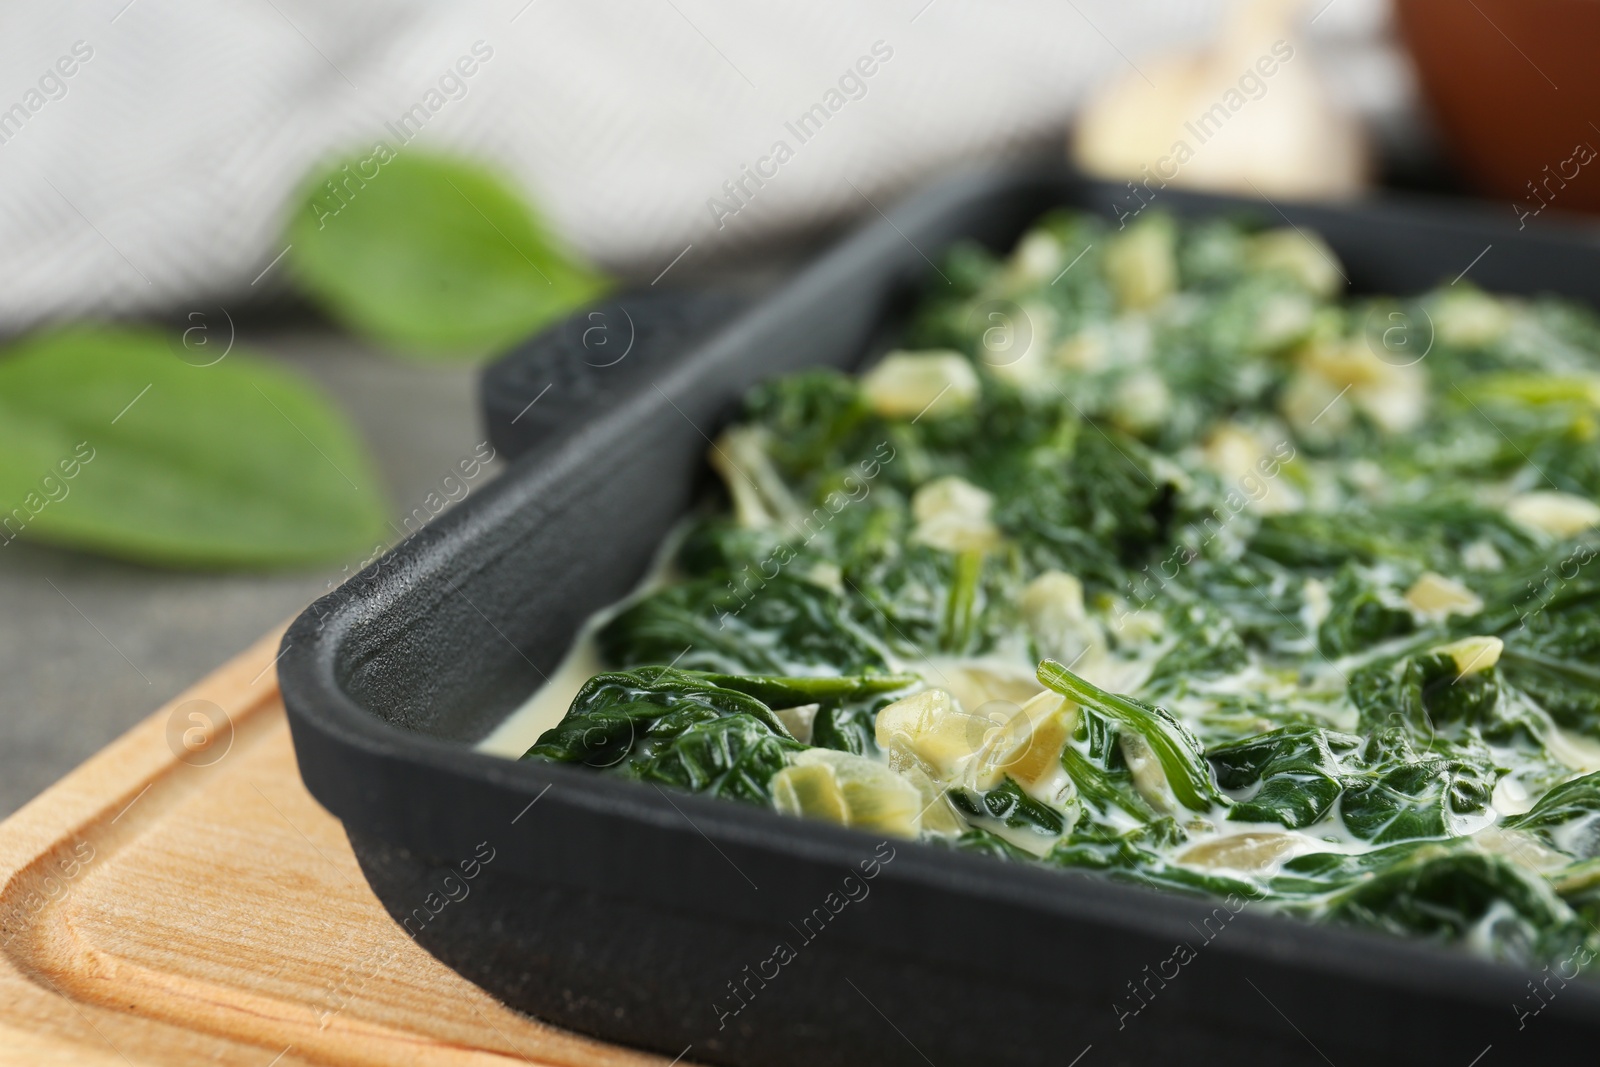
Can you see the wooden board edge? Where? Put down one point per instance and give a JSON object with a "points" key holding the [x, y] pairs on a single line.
{"points": [[123, 769]]}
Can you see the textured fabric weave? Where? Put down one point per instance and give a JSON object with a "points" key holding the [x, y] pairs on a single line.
{"points": [[161, 168]]}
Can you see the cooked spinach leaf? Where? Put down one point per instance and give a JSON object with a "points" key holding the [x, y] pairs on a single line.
{"points": [[1180, 754], [1008, 803], [674, 727], [1449, 893], [1397, 795], [1292, 775], [735, 756], [1099, 772], [781, 626], [1567, 818], [616, 713]]}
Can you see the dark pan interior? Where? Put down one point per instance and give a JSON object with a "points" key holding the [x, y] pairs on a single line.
{"points": [[606, 912]]}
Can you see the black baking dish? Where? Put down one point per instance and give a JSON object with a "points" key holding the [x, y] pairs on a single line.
{"points": [[654, 919]]}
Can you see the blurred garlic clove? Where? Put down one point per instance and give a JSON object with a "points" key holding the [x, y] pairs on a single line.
{"points": [[1246, 115]]}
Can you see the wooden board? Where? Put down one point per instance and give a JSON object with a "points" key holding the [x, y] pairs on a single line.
{"points": [[181, 899]]}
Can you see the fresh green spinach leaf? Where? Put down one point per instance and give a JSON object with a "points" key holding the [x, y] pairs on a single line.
{"points": [[431, 255], [238, 464]]}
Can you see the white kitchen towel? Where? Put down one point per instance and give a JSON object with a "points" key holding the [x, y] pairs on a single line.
{"points": [[150, 149]]}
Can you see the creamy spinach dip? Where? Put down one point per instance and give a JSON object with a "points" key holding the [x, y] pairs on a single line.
{"points": [[1153, 554]]}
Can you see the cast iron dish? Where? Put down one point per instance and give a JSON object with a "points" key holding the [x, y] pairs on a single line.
{"points": [[652, 919]]}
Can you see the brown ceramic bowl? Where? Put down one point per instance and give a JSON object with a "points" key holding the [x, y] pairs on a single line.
{"points": [[1515, 87]]}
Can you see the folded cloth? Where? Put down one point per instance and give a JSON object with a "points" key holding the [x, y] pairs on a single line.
{"points": [[151, 150]]}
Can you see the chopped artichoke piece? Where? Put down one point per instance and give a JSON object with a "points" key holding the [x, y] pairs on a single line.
{"points": [[1394, 395], [1481, 555], [1436, 597], [1052, 598], [1141, 403], [848, 790], [1087, 351], [1027, 747], [1016, 345], [1318, 603], [953, 514], [1037, 258], [799, 720], [1052, 607], [1556, 514], [1255, 851], [1398, 403], [929, 726], [1282, 320], [1473, 654], [1149, 779], [1232, 451], [1317, 409], [1142, 264], [811, 790], [760, 497], [975, 684], [1305, 258], [1243, 459], [1139, 627], [938, 814], [952, 747], [1468, 317], [828, 575], [909, 385]]}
